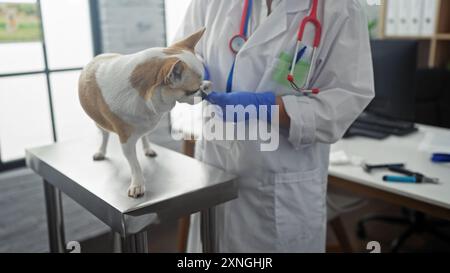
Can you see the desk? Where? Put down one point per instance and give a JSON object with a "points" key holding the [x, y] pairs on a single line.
{"points": [[431, 199], [176, 186]]}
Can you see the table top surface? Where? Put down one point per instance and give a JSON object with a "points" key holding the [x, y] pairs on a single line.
{"points": [[175, 184], [414, 150]]}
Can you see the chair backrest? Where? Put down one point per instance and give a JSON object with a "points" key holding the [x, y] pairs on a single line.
{"points": [[432, 105]]}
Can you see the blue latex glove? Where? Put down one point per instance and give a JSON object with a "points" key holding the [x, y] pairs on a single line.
{"points": [[245, 99]]}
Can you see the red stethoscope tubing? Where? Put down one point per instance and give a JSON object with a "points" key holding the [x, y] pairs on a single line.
{"points": [[312, 19], [244, 19]]}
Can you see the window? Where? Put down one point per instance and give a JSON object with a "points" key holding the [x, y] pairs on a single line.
{"points": [[43, 46]]}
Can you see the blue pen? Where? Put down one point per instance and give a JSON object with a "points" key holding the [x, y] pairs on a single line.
{"points": [[299, 55], [400, 179], [441, 158]]}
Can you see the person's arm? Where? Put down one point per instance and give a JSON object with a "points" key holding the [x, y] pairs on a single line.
{"points": [[284, 119], [344, 76]]}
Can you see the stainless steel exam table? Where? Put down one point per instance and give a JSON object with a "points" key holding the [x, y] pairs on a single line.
{"points": [[176, 186]]}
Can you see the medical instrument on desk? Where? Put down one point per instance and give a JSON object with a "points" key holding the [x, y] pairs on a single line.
{"points": [[369, 168], [310, 19], [440, 158], [410, 176], [404, 171], [237, 42], [410, 179]]}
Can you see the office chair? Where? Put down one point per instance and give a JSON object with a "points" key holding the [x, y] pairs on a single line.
{"points": [[415, 221]]}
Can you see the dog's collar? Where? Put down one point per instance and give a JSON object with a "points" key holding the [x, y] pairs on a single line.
{"points": [[190, 93]]}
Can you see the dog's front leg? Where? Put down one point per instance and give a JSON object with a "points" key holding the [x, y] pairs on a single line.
{"points": [[137, 187]]}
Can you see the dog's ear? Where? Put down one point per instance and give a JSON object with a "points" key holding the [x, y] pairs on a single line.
{"points": [[191, 41], [171, 72]]}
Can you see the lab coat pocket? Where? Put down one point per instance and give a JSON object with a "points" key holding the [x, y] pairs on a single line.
{"points": [[299, 208], [269, 82]]}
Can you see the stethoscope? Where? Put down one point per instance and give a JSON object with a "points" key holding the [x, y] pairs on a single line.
{"points": [[238, 41]]}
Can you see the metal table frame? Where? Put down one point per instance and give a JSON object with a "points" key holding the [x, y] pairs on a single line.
{"points": [[132, 243], [133, 237]]}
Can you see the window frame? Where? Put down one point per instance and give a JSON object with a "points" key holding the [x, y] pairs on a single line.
{"points": [[96, 41]]}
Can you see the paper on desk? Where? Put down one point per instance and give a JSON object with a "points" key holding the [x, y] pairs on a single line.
{"points": [[435, 144], [341, 158]]}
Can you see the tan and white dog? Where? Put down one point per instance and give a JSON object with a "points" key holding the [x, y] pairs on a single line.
{"points": [[129, 94]]}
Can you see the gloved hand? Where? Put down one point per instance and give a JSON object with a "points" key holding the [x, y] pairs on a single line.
{"points": [[245, 99]]}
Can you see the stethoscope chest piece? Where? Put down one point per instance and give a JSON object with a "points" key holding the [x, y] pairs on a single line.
{"points": [[236, 43]]}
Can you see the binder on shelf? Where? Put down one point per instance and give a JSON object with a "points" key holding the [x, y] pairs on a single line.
{"points": [[415, 17], [404, 11], [391, 18], [429, 17]]}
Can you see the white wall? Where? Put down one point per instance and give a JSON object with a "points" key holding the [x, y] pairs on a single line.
{"points": [[175, 11]]}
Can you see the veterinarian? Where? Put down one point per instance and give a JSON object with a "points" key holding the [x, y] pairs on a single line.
{"points": [[282, 194]]}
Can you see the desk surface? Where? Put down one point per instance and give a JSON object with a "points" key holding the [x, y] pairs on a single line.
{"points": [[412, 150], [176, 185]]}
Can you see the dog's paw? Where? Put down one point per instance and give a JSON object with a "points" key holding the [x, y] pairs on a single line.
{"points": [[150, 153], [136, 190], [206, 87], [99, 156]]}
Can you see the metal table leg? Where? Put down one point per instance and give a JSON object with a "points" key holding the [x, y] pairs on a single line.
{"points": [[207, 230], [55, 219], [136, 243]]}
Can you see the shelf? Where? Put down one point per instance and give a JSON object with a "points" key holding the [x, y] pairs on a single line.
{"points": [[421, 38], [443, 36], [440, 36], [442, 58], [434, 50], [443, 25]]}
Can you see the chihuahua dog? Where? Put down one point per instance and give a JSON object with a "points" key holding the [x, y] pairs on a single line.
{"points": [[129, 94]]}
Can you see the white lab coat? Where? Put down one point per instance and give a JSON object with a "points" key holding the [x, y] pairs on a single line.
{"points": [[282, 194]]}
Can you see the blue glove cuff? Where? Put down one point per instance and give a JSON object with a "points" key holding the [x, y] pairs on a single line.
{"points": [[268, 99], [245, 99]]}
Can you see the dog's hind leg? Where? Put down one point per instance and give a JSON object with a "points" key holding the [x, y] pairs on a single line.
{"points": [[101, 153], [148, 151]]}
